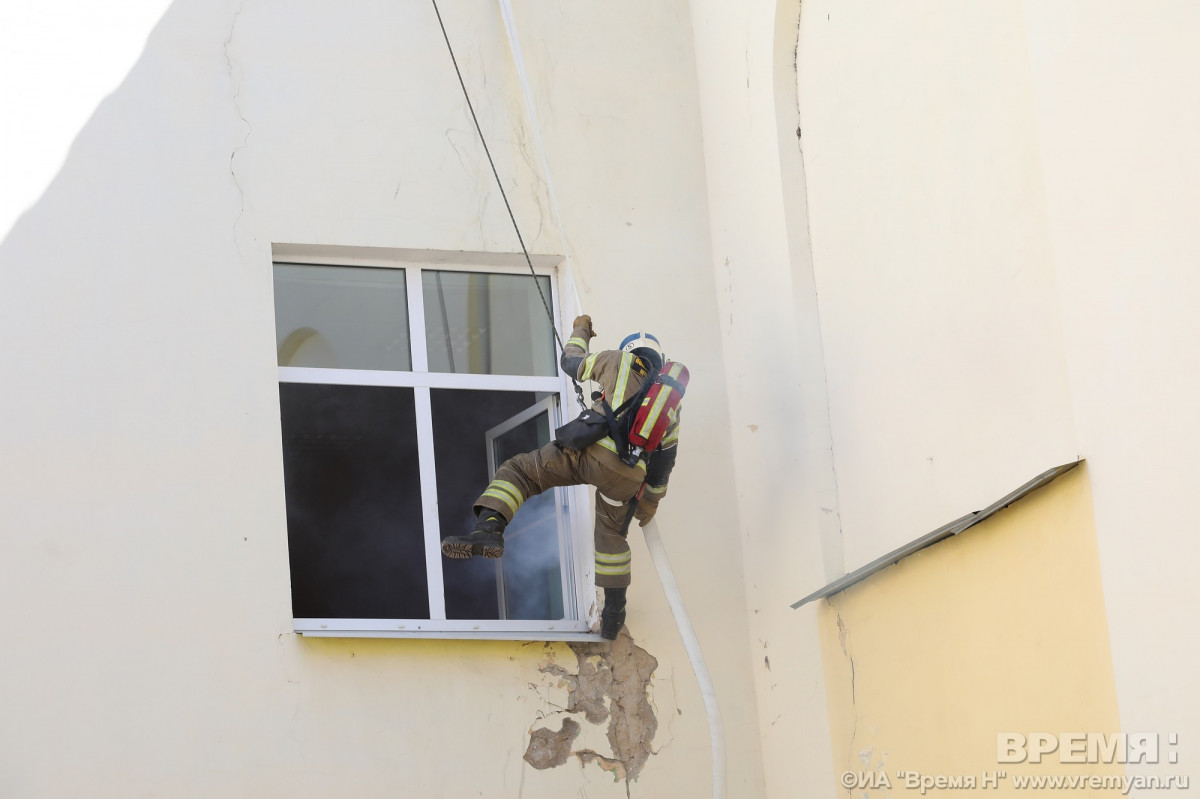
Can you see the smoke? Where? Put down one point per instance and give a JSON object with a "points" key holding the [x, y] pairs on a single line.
{"points": [[532, 575]]}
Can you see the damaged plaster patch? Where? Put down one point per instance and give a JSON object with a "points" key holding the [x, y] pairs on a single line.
{"points": [[612, 684], [614, 767], [548, 749]]}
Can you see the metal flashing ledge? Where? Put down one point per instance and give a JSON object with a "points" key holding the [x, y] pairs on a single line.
{"points": [[940, 534]]}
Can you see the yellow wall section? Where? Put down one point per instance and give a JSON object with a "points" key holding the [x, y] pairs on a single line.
{"points": [[999, 629]]}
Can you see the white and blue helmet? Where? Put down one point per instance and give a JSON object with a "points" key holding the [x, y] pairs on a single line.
{"points": [[646, 345]]}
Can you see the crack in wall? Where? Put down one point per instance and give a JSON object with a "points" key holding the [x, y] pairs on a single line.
{"points": [[540, 186], [870, 758], [611, 684], [235, 78], [832, 534], [471, 173], [843, 639]]}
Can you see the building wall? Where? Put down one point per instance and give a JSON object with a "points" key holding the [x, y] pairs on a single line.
{"points": [[1117, 104], [772, 335], [913, 254], [999, 629], [997, 201], [145, 541], [933, 260]]}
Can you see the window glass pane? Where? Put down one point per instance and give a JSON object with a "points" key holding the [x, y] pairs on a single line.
{"points": [[355, 533], [341, 317], [524, 436], [461, 421], [478, 323]]}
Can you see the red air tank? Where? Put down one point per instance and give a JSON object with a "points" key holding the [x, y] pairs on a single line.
{"points": [[653, 417]]}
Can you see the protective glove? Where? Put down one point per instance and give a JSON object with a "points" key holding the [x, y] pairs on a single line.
{"points": [[583, 324], [646, 508]]}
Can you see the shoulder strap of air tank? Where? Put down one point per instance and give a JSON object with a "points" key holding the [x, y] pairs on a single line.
{"points": [[618, 420]]}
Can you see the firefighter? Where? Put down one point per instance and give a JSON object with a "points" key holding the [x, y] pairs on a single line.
{"points": [[620, 374]]}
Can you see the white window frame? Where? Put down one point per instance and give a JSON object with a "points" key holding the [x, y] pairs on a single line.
{"points": [[578, 595]]}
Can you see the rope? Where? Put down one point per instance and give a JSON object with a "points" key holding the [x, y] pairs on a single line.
{"points": [[654, 544], [517, 228]]}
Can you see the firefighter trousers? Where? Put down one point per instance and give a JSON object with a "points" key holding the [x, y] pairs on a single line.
{"points": [[531, 473]]}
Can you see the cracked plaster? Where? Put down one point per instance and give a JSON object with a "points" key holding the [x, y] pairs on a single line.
{"points": [[611, 684]]}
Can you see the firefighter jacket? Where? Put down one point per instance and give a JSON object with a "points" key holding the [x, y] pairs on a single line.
{"points": [[620, 375]]}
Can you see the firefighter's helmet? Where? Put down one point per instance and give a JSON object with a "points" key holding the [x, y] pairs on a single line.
{"points": [[645, 345]]}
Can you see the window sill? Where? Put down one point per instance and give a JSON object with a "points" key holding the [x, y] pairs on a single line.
{"points": [[481, 635], [444, 629]]}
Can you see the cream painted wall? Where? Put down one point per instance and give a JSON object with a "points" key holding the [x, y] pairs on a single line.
{"points": [[934, 267], [1118, 108], [144, 559], [1001, 198], [785, 490]]}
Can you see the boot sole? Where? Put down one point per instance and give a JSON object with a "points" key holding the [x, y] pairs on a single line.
{"points": [[460, 550]]}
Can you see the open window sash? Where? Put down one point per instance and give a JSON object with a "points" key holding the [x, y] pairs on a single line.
{"points": [[534, 579]]}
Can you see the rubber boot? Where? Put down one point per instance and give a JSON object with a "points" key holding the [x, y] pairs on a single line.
{"points": [[486, 541], [613, 615]]}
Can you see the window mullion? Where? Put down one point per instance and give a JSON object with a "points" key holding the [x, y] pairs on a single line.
{"points": [[425, 453], [576, 561], [416, 320], [582, 561], [429, 504]]}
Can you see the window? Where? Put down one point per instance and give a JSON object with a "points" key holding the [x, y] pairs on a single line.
{"points": [[402, 386]]}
